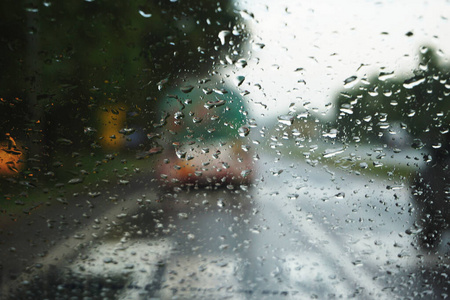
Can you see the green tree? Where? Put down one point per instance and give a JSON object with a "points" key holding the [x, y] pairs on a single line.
{"points": [[63, 61], [420, 106]]}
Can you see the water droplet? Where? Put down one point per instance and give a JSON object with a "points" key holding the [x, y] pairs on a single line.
{"points": [[349, 80], [108, 260], [221, 202], [214, 103], [385, 76], [436, 145], [332, 152], [363, 165], [394, 187], [292, 196], [144, 14], [187, 89], [357, 263], [239, 80], [373, 91], [228, 59], [204, 80], [246, 15], [241, 63], [340, 195], [276, 172], [346, 108], [207, 91], [182, 215], [155, 150], [32, 9], [413, 230], [178, 115], [63, 141], [331, 134], [255, 230], [417, 144], [413, 82], [286, 119], [181, 154], [383, 125], [197, 119], [161, 83], [223, 247], [121, 216], [75, 180], [367, 118], [377, 164], [243, 131], [89, 130], [245, 173], [153, 135], [127, 131], [220, 91], [258, 46], [387, 93], [411, 113], [222, 36], [245, 148]]}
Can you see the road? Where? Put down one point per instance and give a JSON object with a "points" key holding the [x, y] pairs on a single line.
{"points": [[299, 232]]}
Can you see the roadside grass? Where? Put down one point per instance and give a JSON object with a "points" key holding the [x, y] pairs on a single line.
{"points": [[70, 176], [374, 162]]}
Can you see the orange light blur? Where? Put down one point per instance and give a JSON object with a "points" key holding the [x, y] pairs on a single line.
{"points": [[110, 124], [11, 157]]}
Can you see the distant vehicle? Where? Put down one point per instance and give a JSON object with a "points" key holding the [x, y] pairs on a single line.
{"points": [[228, 164], [203, 132]]}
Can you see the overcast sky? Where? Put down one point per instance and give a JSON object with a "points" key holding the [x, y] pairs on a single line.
{"points": [[328, 41]]}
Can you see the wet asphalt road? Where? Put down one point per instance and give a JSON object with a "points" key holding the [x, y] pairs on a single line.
{"points": [[300, 231]]}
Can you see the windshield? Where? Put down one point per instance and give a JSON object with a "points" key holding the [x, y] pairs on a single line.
{"points": [[224, 149]]}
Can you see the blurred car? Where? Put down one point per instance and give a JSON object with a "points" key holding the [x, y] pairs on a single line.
{"points": [[203, 132], [228, 164]]}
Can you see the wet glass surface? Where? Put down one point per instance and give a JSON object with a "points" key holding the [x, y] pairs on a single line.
{"points": [[224, 150]]}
